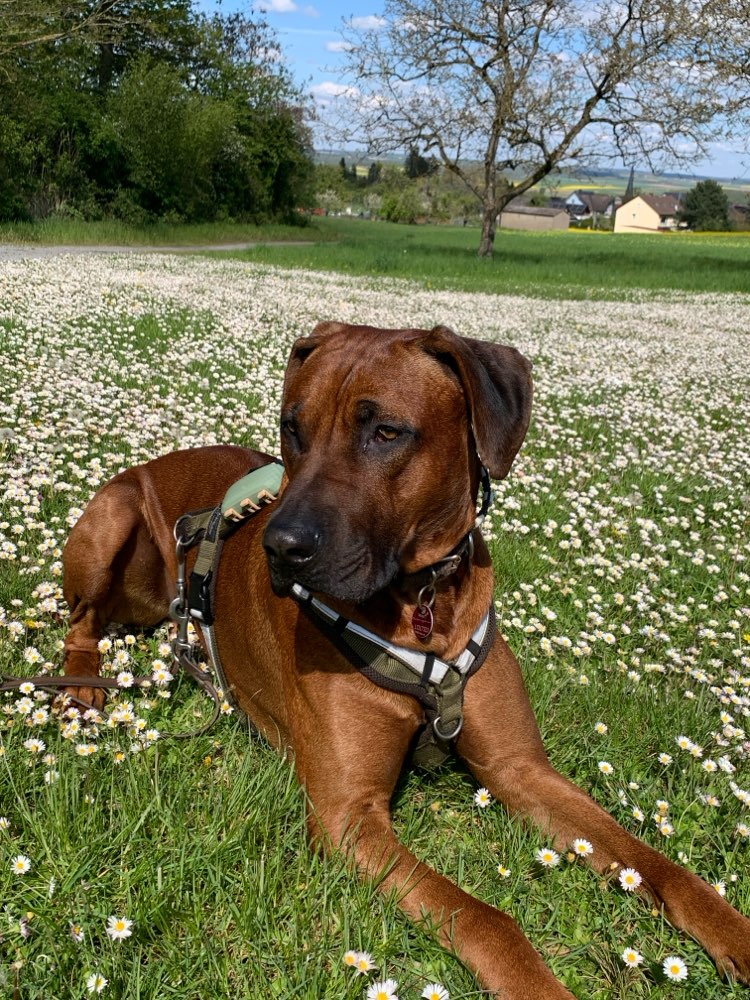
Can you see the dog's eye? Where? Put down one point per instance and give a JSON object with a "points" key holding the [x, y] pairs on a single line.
{"points": [[289, 427], [386, 433]]}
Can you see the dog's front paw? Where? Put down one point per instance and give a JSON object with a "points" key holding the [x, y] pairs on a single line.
{"points": [[730, 948], [82, 698]]}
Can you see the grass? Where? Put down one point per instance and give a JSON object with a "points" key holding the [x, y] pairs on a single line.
{"points": [[56, 232], [202, 843], [578, 265]]}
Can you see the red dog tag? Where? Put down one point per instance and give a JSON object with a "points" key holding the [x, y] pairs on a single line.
{"points": [[422, 622]]}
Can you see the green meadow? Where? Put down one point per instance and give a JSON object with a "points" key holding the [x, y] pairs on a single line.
{"points": [[620, 541], [572, 264]]}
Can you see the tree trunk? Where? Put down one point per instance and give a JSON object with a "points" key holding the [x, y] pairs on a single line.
{"points": [[489, 225]]}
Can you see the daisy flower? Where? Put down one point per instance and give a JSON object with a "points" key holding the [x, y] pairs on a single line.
{"points": [[96, 982], [630, 879], [118, 928], [582, 847], [350, 958], [664, 758], [547, 857], [385, 990], [631, 958], [675, 969], [20, 865], [4, 823], [601, 728], [503, 872], [721, 887], [605, 767], [76, 932], [364, 963], [434, 991], [482, 798]]}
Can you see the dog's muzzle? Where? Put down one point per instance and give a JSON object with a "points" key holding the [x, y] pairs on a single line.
{"points": [[292, 551]]}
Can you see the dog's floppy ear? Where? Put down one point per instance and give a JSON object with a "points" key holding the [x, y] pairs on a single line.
{"points": [[303, 347], [497, 383]]}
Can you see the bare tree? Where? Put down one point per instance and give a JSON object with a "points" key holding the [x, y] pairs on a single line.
{"points": [[526, 87], [27, 23]]}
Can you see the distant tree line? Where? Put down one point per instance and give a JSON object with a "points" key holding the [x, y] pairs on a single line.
{"points": [[418, 190], [145, 110]]}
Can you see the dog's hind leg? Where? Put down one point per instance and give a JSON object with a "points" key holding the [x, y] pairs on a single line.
{"points": [[113, 572]]}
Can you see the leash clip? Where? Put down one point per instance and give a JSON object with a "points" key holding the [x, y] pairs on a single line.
{"points": [[179, 611]]}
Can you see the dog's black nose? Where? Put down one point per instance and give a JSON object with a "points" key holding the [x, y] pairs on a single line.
{"points": [[295, 545]]}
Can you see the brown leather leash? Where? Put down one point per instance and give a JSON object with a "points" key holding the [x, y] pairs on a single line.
{"points": [[53, 684]]}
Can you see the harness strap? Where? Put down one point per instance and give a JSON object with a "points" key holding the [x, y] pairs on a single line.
{"points": [[437, 684]]}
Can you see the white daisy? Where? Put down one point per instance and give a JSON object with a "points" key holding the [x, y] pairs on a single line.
{"points": [[20, 865], [96, 982], [631, 958], [675, 969], [547, 857], [118, 928], [630, 879], [435, 991], [482, 798], [385, 990]]}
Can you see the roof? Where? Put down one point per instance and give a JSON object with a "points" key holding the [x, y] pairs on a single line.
{"points": [[594, 202], [662, 204], [533, 210]]}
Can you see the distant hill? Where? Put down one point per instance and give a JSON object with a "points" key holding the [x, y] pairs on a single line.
{"points": [[609, 181]]}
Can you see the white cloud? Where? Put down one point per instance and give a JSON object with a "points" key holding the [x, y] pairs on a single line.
{"points": [[338, 46], [370, 22], [310, 11], [278, 6], [328, 89]]}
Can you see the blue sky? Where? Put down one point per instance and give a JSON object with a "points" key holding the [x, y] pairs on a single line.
{"points": [[308, 31]]}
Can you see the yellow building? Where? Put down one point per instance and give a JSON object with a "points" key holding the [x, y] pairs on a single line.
{"points": [[647, 213]]}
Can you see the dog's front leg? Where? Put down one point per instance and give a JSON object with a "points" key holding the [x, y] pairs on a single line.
{"points": [[502, 746], [349, 764]]}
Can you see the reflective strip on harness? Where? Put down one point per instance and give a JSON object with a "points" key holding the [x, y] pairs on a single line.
{"points": [[428, 668]]}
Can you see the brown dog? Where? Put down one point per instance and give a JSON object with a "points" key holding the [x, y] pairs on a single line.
{"points": [[380, 435]]}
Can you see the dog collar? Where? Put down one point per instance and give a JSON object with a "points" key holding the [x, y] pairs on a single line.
{"points": [[429, 575]]}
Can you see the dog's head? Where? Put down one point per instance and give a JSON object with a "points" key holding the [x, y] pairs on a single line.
{"points": [[380, 432]]}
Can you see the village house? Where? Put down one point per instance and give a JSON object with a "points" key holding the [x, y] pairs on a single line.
{"points": [[648, 213], [588, 204], [516, 215]]}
